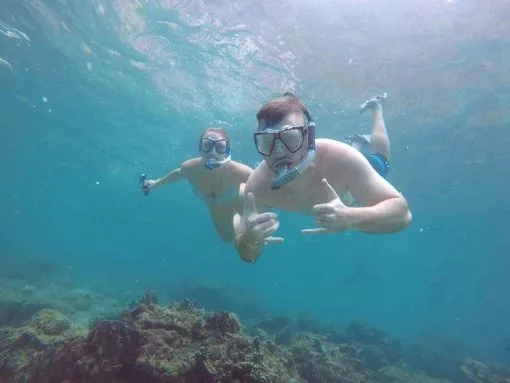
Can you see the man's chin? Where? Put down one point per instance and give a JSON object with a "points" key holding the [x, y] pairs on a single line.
{"points": [[281, 166]]}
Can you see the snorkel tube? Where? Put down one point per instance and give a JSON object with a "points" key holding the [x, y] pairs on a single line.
{"points": [[285, 175], [213, 164]]}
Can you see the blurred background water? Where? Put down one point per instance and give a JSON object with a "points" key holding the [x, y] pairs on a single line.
{"points": [[94, 92]]}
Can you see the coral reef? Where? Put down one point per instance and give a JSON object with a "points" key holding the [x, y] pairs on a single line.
{"points": [[22, 347], [377, 349], [477, 372], [319, 360], [179, 343], [19, 301], [184, 343]]}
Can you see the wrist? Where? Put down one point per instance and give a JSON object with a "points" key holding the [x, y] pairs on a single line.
{"points": [[249, 250], [353, 217], [249, 243]]}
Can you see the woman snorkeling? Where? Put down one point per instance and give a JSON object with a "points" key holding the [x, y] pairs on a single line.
{"points": [[214, 178]]}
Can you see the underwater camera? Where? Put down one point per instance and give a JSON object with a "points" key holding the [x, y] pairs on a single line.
{"points": [[143, 184]]}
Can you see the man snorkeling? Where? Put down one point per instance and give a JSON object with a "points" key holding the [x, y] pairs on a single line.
{"points": [[309, 176]]}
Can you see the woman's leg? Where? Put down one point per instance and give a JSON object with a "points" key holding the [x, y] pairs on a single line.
{"points": [[223, 223]]}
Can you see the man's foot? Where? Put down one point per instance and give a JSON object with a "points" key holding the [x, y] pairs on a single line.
{"points": [[373, 103]]}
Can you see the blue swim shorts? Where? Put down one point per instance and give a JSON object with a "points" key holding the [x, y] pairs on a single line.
{"points": [[379, 162]]}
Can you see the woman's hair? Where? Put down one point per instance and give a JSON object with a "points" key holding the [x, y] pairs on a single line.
{"points": [[219, 131], [275, 110]]}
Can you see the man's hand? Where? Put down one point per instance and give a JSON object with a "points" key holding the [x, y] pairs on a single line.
{"points": [[332, 216], [258, 227]]}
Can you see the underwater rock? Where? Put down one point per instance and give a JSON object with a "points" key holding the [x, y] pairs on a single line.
{"points": [[188, 304], [281, 328], [285, 337], [374, 357], [377, 349], [318, 360], [184, 343], [50, 322], [24, 347], [151, 343], [223, 323], [477, 372], [150, 297]]}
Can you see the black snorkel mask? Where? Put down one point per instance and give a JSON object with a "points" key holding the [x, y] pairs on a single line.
{"points": [[285, 174]]}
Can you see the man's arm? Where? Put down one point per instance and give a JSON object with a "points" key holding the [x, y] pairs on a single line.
{"points": [[384, 209]]}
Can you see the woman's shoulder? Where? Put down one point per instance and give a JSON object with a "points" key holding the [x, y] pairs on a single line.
{"points": [[191, 163]]}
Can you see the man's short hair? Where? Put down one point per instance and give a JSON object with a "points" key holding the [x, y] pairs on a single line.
{"points": [[275, 111]]}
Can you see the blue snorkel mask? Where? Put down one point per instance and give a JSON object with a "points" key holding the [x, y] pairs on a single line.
{"points": [[213, 164], [220, 146]]}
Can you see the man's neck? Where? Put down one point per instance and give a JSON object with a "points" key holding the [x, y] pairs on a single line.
{"points": [[302, 181]]}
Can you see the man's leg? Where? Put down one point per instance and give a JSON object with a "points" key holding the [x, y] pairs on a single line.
{"points": [[379, 140]]}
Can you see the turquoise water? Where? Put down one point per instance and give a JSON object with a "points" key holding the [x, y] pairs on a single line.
{"points": [[95, 92]]}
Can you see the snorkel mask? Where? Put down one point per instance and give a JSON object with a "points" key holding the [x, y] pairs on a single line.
{"points": [[213, 164], [206, 145], [284, 174]]}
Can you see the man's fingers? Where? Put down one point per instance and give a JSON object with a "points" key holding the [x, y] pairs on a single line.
{"points": [[249, 204], [332, 195], [273, 240], [270, 230], [320, 230], [322, 208], [328, 218], [261, 218], [263, 226]]}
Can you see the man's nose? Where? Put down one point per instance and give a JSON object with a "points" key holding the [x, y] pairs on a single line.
{"points": [[279, 148]]}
